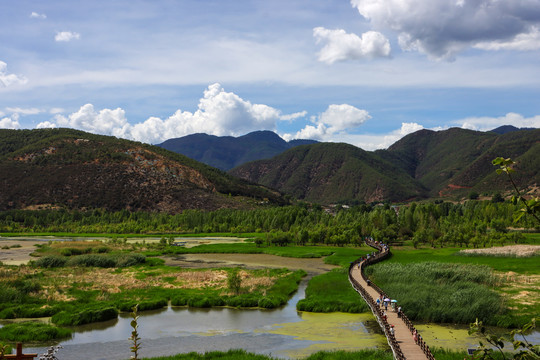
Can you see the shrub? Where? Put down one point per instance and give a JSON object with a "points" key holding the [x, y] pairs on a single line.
{"points": [[243, 301], [92, 260], [86, 316], [50, 262], [143, 305], [125, 260]]}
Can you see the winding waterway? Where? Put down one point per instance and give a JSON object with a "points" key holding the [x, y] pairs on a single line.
{"points": [[282, 332]]}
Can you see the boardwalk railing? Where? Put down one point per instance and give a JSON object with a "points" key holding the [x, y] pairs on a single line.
{"points": [[383, 253]]}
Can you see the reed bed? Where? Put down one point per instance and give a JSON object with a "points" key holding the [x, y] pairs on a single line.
{"points": [[441, 292]]}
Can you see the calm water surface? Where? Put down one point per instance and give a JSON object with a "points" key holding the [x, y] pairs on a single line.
{"points": [[282, 332]]}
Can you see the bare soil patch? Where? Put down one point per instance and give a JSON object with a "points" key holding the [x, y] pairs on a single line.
{"points": [[17, 255], [511, 250], [249, 261]]}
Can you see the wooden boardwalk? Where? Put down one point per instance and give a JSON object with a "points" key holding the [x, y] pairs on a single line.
{"points": [[402, 343]]}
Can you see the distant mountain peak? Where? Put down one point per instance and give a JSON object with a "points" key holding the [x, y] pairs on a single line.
{"points": [[508, 128], [227, 152]]}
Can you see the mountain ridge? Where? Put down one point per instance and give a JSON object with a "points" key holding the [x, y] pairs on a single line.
{"points": [[423, 164], [75, 169]]}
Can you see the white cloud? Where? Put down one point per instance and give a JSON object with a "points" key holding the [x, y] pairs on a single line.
{"points": [[372, 142], [490, 123], [46, 125], [335, 120], [56, 110], [9, 79], [294, 116], [340, 46], [443, 28], [66, 36], [27, 111], [106, 121], [219, 113], [35, 15], [10, 122]]}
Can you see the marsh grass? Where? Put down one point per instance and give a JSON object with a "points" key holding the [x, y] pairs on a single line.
{"points": [[441, 293], [32, 332], [91, 260], [332, 292]]}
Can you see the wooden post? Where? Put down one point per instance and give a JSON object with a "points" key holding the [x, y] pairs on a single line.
{"points": [[19, 355]]}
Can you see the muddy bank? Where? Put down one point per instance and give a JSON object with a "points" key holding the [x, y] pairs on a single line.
{"points": [[249, 261]]}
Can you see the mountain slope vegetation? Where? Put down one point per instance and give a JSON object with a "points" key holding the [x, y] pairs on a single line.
{"points": [[426, 163], [332, 172], [74, 169]]}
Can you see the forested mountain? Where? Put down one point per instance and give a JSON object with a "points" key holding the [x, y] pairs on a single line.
{"points": [[226, 152], [333, 172], [423, 164], [74, 169], [458, 160]]}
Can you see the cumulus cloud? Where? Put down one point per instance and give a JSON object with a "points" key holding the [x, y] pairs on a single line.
{"points": [[35, 15], [7, 79], [219, 113], [46, 125], [341, 46], [443, 28], [106, 121], [335, 120], [490, 123], [66, 36], [10, 122]]}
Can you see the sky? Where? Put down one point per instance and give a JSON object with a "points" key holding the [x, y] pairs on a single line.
{"points": [[364, 72]]}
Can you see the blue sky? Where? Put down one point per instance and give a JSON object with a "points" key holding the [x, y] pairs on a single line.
{"points": [[365, 72]]}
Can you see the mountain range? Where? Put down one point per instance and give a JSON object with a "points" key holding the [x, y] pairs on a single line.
{"points": [[424, 164], [73, 169]]}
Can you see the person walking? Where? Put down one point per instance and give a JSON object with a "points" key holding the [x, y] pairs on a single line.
{"points": [[392, 330]]}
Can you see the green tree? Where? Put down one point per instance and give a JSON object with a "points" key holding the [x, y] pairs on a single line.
{"points": [[532, 205], [234, 281], [523, 349]]}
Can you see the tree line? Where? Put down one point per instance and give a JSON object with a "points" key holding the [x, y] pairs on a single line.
{"points": [[472, 223]]}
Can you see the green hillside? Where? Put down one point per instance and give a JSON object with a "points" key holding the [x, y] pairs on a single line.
{"points": [[449, 163], [330, 172]]}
